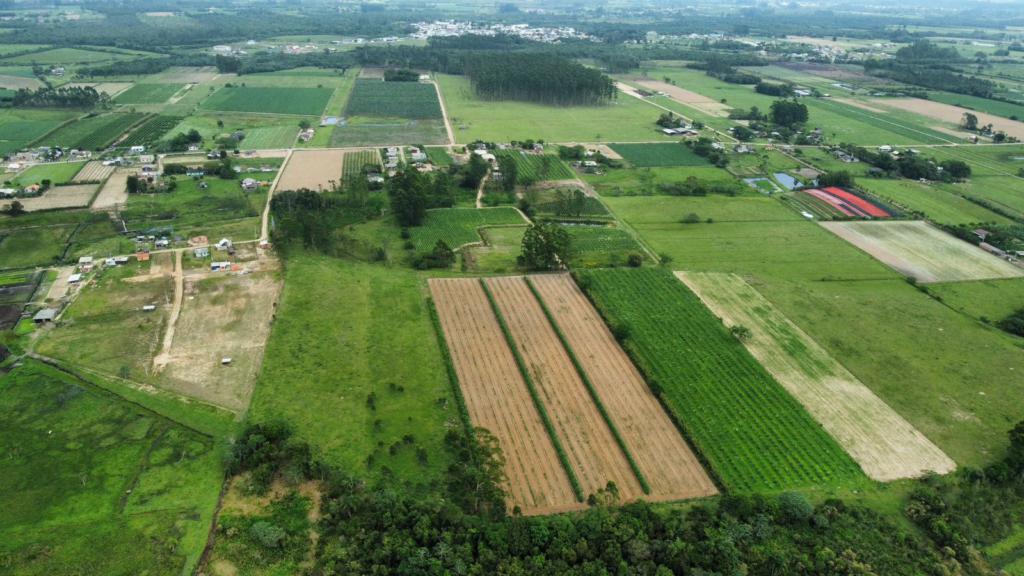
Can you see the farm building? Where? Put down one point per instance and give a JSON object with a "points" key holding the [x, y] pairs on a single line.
{"points": [[45, 315], [249, 184], [202, 252], [219, 266], [74, 279]]}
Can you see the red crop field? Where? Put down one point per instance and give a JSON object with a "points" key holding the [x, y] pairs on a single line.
{"points": [[860, 203]]}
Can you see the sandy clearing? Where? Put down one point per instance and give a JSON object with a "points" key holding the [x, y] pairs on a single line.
{"points": [[886, 446], [59, 289], [951, 114], [93, 171], [497, 398], [921, 251], [114, 192], [57, 197], [221, 316], [661, 453], [688, 97], [862, 105], [312, 169], [593, 453]]}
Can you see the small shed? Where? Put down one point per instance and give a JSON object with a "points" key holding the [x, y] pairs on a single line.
{"points": [[74, 279], [45, 315]]}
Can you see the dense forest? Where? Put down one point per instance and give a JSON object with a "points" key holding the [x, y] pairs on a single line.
{"points": [[540, 78], [84, 97]]}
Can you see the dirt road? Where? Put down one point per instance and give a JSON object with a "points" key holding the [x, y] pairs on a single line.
{"points": [[164, 356]]}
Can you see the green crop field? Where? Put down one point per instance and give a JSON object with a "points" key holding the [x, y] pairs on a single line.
{"points": [[938, 204], [999, 108], [145, 486], [753, 433], [986, 300], [304, 101], [308, 356], [150, 131], [538, 167], [650, 155], [353, 163], [557, 204], [67, 56], [380, 131], [459, 226], [147, 94], [599, 246], [93, 132], [411, 100], [19, 128], [270, 137]]}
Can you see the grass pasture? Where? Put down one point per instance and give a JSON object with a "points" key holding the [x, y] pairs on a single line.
{"points": [[918, 250], [752, 432], [458, 227], [303, 101], [651, 155], [600, 246], [190, 207], [19, 128], [145, 487], [55, 172], [33, 246], [385, 316]]}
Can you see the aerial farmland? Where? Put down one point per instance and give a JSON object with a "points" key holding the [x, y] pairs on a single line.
{"points": [[453, 288]]}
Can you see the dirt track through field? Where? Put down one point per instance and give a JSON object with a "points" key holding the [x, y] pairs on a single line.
{"points": [[164, 356], [497, 397], [923, 252], [663, 456], [951, 114], [589, 443], [688, 97], [886, 446], [114, 192]]}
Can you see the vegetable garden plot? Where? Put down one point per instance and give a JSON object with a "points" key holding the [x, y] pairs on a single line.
{"points": [[539, 167], [885, 445], [270, 100], [150, 131], [651, 155], [750, 430], [497, 397]]}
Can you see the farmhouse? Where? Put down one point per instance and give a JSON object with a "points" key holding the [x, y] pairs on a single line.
{"points": [[45, 315]]}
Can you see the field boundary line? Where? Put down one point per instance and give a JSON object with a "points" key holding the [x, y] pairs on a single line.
{"points": [[644, 485], [542, 410], [449, 365]]}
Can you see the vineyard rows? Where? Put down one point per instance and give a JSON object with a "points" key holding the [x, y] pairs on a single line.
{"points": [[752, 432], [354, 162], [539, 167], [150, 131], [459, 226], [94, 132], [393, 99]]}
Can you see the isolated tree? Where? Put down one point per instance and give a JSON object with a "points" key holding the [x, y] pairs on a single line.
{"points": [[134, 185], [740, 332], [509, 172], [408, 193], [15, 209], [969, 122], [475, 171], [545, 245], [789, 113]]}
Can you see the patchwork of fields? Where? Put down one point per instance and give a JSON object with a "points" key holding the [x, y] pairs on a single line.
{"points": [[458, 227]]}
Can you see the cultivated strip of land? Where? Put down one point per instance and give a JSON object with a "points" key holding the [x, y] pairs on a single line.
{"points": [[886, 446], [664, 458], [497, 397]]}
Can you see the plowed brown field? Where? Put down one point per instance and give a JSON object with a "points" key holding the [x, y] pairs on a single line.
{"points": [[497, 397], [668, 463], [589, 443]]}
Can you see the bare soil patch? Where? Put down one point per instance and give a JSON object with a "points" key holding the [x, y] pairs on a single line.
{"points": [[918, 250], [188, 74], [862, 105], [663, 456], [57, 197], [222, 316], [312, 169], [886, 446], [589, 443], [497, 397], [18, 82], [689, 98], [114, 192], [951, 114]]}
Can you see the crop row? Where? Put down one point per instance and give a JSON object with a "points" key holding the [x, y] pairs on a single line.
{"points": [[355, 161], [94, 132], [538, 167], [150, 131], [549, 426], [393, 99], [754, 435]]}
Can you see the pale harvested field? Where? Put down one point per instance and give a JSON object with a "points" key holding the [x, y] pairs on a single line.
{"points": [[920, 251], [18, 82], [312, 169], [687, 97], [951, 114], [111, 88], [114, 192], [93, 171], [187, 75], [75, 196], [497, 398], [886, 446], [663, 456], [593, 453], [222, 316], [862, 105]]}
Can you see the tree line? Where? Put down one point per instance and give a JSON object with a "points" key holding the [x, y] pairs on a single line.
{"points": [[85, 97]]}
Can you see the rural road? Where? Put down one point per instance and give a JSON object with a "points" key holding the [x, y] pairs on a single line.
{"points": [[480, 191], [444, 113], [265, 224]]}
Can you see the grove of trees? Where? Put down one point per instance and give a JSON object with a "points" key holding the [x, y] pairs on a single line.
{"points": [[537, 77]]}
